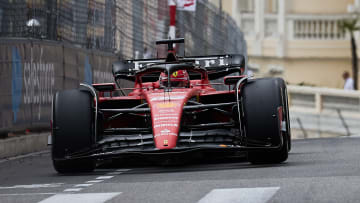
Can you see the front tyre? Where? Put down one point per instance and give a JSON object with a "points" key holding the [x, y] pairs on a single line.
{"points": [[73, 130], [265, 111]]}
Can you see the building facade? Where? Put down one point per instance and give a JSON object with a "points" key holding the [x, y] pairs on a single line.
{"points": [[299, 40]]}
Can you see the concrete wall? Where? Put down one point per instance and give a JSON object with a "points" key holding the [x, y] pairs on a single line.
{"points": [[319, 6], [322, 72], [31, 71], [20, 145]]}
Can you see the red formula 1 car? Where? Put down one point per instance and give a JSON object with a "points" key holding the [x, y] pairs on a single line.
{"points": [[173, 110]]}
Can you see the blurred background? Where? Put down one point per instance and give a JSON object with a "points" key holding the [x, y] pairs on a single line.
{"points": [[123, 27], [300, 40]]}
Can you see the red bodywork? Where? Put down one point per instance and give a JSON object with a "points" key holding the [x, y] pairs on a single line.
{"points": [[170, 114], [166, 107]]}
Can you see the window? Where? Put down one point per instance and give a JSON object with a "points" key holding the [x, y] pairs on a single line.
{"points": [[246, 6], [271, 6]]}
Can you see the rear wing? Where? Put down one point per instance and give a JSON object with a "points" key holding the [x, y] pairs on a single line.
{"points": [[211, 62], [217, 66]]}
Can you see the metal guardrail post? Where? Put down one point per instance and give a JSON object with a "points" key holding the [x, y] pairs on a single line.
{"points": [[343, 122], [318, 102], [302, 127]]}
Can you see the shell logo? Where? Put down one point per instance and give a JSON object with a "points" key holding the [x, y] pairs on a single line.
{"points": [[175, 74]]}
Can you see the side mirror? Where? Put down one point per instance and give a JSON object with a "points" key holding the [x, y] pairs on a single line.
{"points": [[121, 68], [232, 80], [105, 87], [237, 61]]}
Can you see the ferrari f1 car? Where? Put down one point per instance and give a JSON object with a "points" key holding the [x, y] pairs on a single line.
{"points": [[173, 109]]}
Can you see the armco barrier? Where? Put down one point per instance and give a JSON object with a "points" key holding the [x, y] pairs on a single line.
{"points": [[324, 111], [31, 71], [320, 99]]}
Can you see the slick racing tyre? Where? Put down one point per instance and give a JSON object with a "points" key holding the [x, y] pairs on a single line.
{"points": [[286, 113], [73, 130], [262, 100]]}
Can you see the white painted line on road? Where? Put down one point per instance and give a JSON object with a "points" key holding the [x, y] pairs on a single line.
{"points": [[83, 197], [123, 170], [33, 186], [79, 187], [114, 173], [94, 181], [23, 194], [104, 177], [237, 195], [73, 189], [118, 171], [83, 185]]}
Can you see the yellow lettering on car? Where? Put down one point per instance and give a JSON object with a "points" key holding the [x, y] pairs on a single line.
{"points": [[166, 105]]}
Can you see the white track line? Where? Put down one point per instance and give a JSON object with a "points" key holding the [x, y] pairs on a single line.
{"points": [[94, 181], [83, 197], [114, 173], [83, 185], [240, 195], [73, 189], [32, 186], [23, 194], [123, 170], [104, 177]]}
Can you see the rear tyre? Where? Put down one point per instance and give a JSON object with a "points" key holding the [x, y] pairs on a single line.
{"points": [[261, 100], [73, 130]]}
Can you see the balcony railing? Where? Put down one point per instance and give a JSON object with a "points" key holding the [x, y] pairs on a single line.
{"points": [[318, 27], [299, 26]]}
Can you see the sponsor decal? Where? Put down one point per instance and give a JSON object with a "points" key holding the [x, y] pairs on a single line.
{"points": [[159, 135], [166, 118], [16, 84], [165, 125], [39, 82], [165, 131], [167, 98], [168, 93], [166, 111], [166, 105], [166, 142], [186, 5], [165, 121], [168, 114]]}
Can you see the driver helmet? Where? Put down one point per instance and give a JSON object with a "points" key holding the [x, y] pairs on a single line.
{"points": [[178, 78]]}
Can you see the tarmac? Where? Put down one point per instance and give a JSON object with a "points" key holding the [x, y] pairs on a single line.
{"points": [[22, 144]]}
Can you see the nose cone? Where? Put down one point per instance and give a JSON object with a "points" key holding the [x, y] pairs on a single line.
{"points": [[166, 112], [166, 117]]}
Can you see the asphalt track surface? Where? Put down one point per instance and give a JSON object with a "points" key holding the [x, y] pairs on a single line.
{"points": [[318, 170]]}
